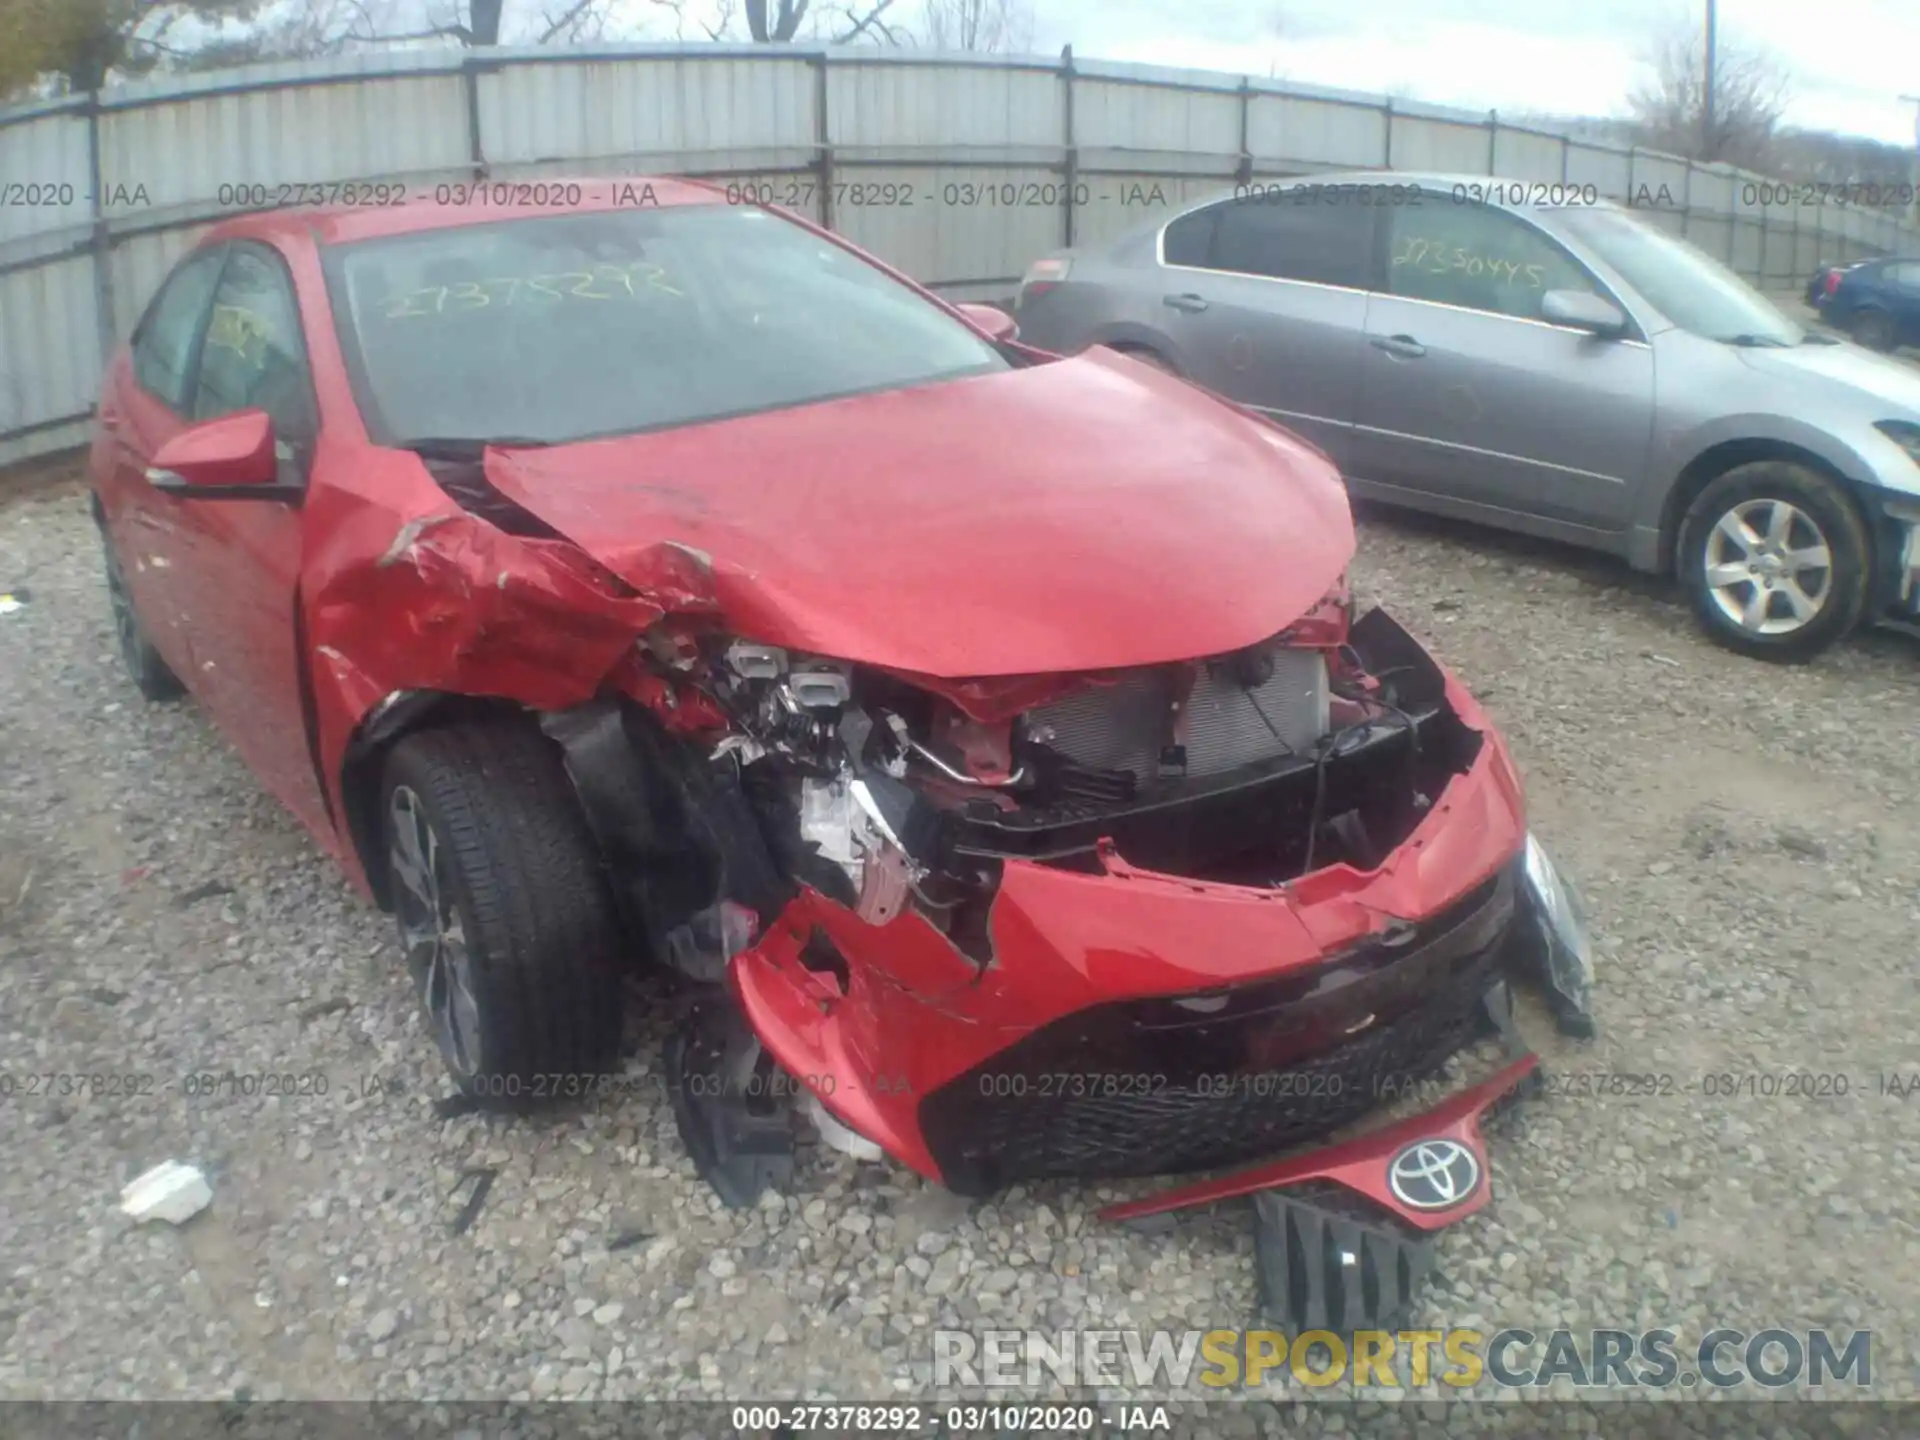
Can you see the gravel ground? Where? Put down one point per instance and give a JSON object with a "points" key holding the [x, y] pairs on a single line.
{"points": [[1746, 837]]}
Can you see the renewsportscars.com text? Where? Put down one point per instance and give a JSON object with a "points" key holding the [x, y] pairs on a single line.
{"points": [[1459, 1359]]}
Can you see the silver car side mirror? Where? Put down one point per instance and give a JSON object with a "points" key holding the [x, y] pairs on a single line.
{"points": [[1583, 310]]}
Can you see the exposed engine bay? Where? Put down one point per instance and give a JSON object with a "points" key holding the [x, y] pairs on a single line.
{"points": [[885, 795]]}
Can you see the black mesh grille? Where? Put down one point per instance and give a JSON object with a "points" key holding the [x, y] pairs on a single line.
{"points": [[1185, 1083]]}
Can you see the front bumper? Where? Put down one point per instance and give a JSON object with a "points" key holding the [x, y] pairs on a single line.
{"points": [[1342, 1238], [1129, 1022], [1156, 1086]]}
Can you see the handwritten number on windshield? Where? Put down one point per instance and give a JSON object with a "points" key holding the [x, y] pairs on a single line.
{"points": [[603, 282]]}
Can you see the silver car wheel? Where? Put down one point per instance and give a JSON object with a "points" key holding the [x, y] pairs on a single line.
{"points": [[431, 932], [1769, 568]]}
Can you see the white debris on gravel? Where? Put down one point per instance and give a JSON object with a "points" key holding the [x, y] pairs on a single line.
{"points": [[1746, 837], [169, 1191]]}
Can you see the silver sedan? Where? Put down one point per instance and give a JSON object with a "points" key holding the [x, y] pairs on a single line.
{"points": [[1539, 359]]}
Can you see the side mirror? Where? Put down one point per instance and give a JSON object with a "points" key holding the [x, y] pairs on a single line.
{"points": [[1583, 310], [232, 458], [998, 324]]}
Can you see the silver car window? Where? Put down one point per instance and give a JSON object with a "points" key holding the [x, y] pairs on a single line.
{"points": [[1688, 286], [1477, 257], [1295, 235], [1189, 238]]}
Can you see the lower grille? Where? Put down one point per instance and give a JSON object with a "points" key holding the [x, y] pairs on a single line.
{"points": [[1323, 1263], [1165, 1086], [1125, 725]]}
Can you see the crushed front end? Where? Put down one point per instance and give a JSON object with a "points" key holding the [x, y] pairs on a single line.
{"points": [[1176, 949], [1143, 922], [1157, 921]]}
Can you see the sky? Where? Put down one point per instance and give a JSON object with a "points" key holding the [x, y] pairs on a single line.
{"points": [[1850, 60]]}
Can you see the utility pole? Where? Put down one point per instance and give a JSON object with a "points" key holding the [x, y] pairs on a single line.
{"points": [[1707, 147]]}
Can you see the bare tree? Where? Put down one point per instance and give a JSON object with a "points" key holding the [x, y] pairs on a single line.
{"points": [[82, 41], [1750, 93], [330, 27], [991, 26], [786, 21]]}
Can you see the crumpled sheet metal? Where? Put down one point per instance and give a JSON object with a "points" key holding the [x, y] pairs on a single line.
{"points": [[448, 602]]}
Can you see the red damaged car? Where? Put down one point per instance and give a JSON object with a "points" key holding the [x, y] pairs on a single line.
{"points": [[984, 738]]}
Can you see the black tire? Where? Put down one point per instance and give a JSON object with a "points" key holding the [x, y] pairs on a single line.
{"points": [[151, 675], [521, 874], [1872, 328], [1825, 518]]}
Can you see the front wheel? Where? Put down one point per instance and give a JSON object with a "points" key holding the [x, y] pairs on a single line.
{"points": [[1775, 559], [1873, 329], [509, 930]]}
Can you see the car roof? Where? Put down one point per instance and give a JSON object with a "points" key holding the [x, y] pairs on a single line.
{"points": [[1436, 178], [1439, 180], [522, 198]]}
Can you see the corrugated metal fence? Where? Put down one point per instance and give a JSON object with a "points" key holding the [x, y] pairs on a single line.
{"points": [[959, 169]]}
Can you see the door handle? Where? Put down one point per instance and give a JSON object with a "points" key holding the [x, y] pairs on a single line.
{"points": [[1189, 303], [1402, 347]]}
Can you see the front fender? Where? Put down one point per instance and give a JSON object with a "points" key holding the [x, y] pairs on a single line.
{"points": [[1683, 457]]}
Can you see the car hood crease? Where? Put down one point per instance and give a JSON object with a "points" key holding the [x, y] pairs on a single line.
{"points": [[1078, 514]]}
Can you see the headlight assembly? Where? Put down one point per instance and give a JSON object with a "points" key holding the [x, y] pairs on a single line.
{"points": [[1553, 929]]}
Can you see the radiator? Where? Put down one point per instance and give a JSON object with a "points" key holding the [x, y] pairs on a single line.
{"points": [[1120, 726]]}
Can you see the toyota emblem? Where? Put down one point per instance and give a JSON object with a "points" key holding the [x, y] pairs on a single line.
{"points": [[1433, 1175]]}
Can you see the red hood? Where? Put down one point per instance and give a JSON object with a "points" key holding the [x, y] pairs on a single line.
{"points": [[1081, 514]]}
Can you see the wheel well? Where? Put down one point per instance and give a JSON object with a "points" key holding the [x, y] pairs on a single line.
{"points": [[1140, 347], [1710, 464], [366, 760]]}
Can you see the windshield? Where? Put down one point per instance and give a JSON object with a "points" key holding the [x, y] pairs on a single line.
{"points": [[1688, 286], [568, 327]]}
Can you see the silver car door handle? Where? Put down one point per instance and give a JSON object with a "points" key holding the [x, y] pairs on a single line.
{"points": [[1404, 346], [1192, 304]]}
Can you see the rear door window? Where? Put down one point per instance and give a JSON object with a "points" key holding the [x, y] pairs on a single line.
{"points": [[1189, 239], [1306, 234]]}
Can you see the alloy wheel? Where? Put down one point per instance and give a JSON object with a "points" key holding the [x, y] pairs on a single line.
{"points": [[1769, 568], [431, 931]]}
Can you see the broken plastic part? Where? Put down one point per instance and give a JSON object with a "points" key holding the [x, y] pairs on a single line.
{"points": [[837, 1135], [820, 688], [827, 821], [1556, 943], [169, 1191], [886, 882], [729, 1104], [756, 662], [1326, 1265], [701, 948]]}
